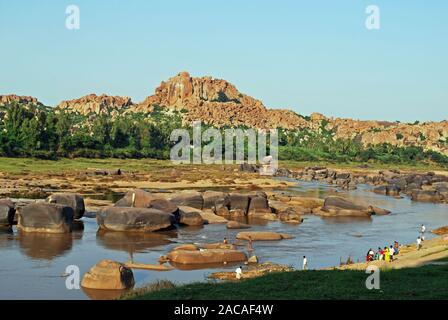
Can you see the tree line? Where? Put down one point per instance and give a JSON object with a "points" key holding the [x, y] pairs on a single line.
{"points": [[47, 133]]}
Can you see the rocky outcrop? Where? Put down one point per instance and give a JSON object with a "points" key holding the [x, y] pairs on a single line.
{"points": [[74, 201], [24, 100], [237, 225], [190, 217], [192, 199], [45, 218], [340, 207], [262, 236], [211, 218], [441, 231], [134, 219], [216, 102], [219, 103], [426, 196], [206, 256], [108, 275], [428, 187], [95, 105], [7, 213], [215, 200], [141, 199]]}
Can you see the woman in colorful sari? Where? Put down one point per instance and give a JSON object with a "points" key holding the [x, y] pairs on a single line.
{"points": [[386, 254]]}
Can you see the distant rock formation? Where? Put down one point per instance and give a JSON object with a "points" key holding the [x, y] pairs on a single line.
{"points": [[93, 104], [216, 102], [219, 103], [10, 98]]}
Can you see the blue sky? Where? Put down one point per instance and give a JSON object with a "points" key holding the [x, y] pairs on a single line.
{"points": [[304, 55]]}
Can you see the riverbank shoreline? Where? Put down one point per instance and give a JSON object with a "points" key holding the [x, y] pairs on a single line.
{"points": [[398, 281]]}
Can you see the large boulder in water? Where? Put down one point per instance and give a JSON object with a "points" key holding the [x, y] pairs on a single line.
{"points": [[259, 204], [7, 213], [290, 216], [378, 211], [262, 236], [426, 196], [190, 199], [134, 219], [46, 218], [75, 201], [136, 198], [239, 202], [190, 217], [141, 199], [206, 256], [208, 216], [340, 207], [237, 225], [388, 190], [215, 200], [108, 275]]}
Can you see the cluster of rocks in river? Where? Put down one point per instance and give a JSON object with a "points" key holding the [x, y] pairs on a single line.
{"points": [[427, 187], [141, 212]]}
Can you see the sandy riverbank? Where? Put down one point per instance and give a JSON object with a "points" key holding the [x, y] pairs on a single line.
{"points": [[409, 257]]}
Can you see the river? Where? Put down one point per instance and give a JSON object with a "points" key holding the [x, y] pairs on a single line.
{"points": [[32, 265]]}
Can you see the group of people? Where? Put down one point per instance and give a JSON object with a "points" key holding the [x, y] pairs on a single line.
{"points": [[388, 253], [385, 254]]}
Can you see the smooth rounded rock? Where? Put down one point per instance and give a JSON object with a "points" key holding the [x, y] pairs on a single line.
{"points": [[45, 218], [108, 275]]}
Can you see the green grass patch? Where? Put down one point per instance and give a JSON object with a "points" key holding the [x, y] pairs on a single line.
{"points": [[427, 282]]}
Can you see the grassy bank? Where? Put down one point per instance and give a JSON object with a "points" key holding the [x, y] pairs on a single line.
{"points": [[427, 282], [30, 165]]}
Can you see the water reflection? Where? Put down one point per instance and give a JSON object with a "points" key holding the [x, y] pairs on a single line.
{"points": [[133, 242], [96, 294], [44, 246], [6, 235], [354, 220], [78, 226], [189, 267]]}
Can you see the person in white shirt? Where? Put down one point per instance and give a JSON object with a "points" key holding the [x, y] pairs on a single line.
{"points": [[305, 263], [419, 243], [392, 252], [239, 272], [423, 229]]}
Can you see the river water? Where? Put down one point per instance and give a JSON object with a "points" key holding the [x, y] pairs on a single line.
{"points": [[32, 265]]}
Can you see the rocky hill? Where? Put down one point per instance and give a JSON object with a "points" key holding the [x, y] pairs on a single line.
{"points": [[26, 100], [93, 104], [219, 103], [216, 102]]}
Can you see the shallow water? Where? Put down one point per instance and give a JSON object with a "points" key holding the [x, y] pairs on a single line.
{"points": [[32, 265]]}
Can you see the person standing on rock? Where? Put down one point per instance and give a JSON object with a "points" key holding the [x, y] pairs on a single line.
{"points": [[305, 263], [225, 241], [238, 272]]}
